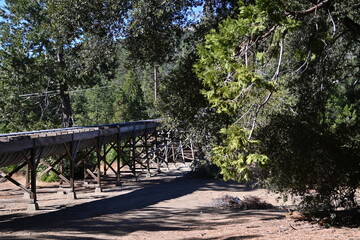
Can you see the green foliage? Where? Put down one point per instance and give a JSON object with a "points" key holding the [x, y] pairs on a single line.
{"points": [[50, 177], [94, 106], [311, 161], [48, 47], [8, 169], [234, 155], [129, 103], [118, 101], [180, 95], [153, 27], [290, 91], [236, 81], [230, 66]]}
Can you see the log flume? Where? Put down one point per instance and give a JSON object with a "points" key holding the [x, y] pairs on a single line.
{"points": [[99, 149], [16, 147]]}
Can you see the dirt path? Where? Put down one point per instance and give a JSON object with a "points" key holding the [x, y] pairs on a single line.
{"points": [[172, 208]]}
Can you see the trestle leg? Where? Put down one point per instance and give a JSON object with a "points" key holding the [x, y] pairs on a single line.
{"points": [[33, 205]]}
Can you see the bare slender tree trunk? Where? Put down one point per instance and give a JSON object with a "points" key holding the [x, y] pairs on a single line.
{"points": [[155, 83]]}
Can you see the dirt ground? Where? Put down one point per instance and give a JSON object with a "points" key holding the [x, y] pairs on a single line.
{"points": [[167, 206]]}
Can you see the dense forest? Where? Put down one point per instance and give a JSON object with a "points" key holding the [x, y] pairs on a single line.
{"points": [[269, 89]]}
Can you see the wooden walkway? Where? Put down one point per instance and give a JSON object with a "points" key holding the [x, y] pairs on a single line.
{"points": [[99, 150]]}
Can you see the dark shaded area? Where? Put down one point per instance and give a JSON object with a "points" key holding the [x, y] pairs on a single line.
{"points": [[341, 218], [242, 237], [93, 217], [230, 238]]}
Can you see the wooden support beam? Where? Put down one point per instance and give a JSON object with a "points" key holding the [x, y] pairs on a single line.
{"points": [[28, 160], [91, 174], [106, 151], [104, 159], [125, 153], [146, 140], [27, 176], [166, 151], [84, 160], [33, 197], [109, 162], [172, 139], [49, 167], [74, 146], [109, 166], [133, 154], [192, 150], [9, 175], [98, 143], [39, 156], [52, 168], [61, 169], [157, 151], [182, 152], [118, 152]]}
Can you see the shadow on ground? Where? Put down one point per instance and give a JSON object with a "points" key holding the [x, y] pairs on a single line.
{"points": [[109, 216]]}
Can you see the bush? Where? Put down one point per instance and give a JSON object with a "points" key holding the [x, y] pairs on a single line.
{"points": [[205, 169], [49, 177], [311, 161], [248, 202]]}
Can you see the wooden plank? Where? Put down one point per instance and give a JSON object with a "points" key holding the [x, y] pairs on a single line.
{"points": [[14, 171], [91, 174], [4, 139], [52, 134], [108, 131], [16, 146], [86, 135], [14, 182], [53, 140]]}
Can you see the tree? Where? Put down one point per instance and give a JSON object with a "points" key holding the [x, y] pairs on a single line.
{"points": [[121, 99], [153, 32], [181, 102], [56, 46], [285, 73], [129, 102]]}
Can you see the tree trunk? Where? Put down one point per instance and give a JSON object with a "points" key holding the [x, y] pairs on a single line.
{"points": [[64, 95], [155, 83], [65, 106]]}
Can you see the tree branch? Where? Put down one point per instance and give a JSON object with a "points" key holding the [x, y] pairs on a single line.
{"points": [[333, 22], [250, 108], [257, 113], [265, 35], [242, 50], [352, 26], [309, 10], [280, 59]]}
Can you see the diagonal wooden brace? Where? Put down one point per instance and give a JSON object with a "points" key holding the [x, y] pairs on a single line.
{"points": [[50, 167], [4, 178], [7, 177]]}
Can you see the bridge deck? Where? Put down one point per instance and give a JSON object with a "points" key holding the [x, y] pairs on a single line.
{"points": [[14, 147]]}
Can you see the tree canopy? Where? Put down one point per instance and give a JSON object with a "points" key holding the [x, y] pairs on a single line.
{"points": [[51, 46]]}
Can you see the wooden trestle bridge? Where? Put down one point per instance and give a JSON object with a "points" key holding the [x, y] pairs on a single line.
{"points": [[113, 148]]}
